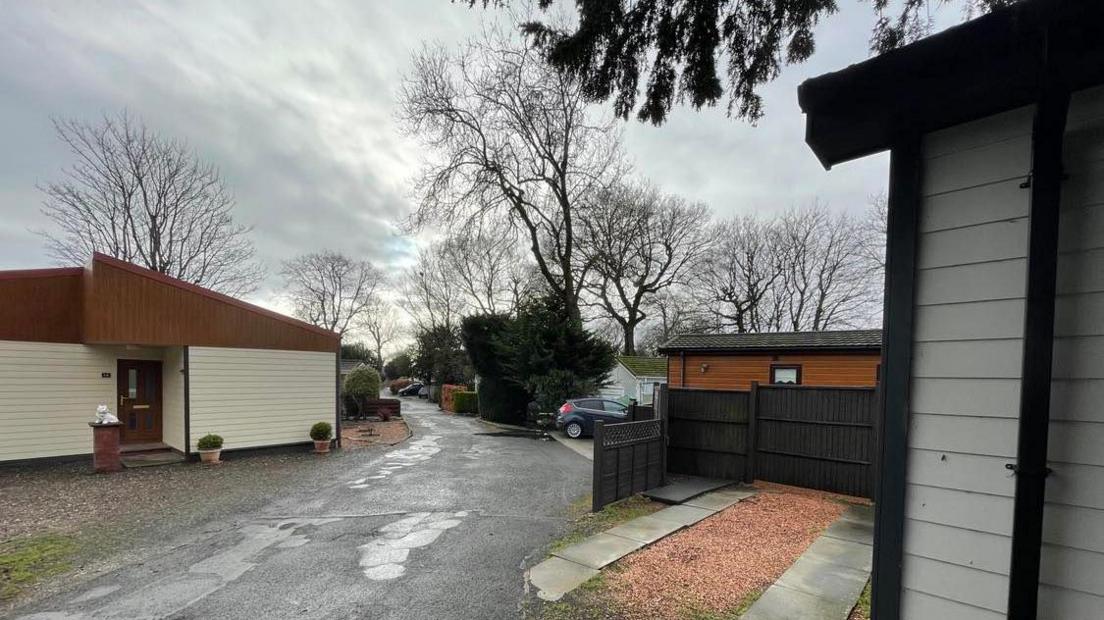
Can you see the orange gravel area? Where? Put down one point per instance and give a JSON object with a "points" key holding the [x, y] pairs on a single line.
{"points": [[716, 565], [360, 434]]}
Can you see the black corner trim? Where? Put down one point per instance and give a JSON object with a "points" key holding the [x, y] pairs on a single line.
{"points": [[905, 175], [1038, 350]]}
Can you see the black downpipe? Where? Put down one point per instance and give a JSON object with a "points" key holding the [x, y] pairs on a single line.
{"points": [[337, 399], [1038, 349], [906, 168], [187, 406]]}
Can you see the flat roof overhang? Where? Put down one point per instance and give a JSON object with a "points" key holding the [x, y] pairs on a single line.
{"points": [[985, 66]]}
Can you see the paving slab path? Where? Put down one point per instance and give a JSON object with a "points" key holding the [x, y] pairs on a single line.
{"points": [[828, 578], [572, 566]]}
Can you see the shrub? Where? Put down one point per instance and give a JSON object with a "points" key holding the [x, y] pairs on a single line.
{"points": [[363, 382], [210, 441], [447, 392], [500, 399], [321, 431], [465, 402], [398, 384]]}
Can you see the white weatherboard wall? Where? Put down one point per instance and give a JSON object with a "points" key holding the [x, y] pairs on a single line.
{"points": [[1072, 571], [172, 398], [49, 392], [967, 359], [967, 353], [259, 397]]}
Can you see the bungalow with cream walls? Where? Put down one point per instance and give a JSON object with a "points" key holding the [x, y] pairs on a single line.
{"points": [[635, 377], [172, 360], [990, 499]]}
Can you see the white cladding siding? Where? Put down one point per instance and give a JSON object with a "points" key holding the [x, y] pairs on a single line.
{"points": [[172, 398], [966, 373], [966, 368], [49, 392], [259, 397], [1072, 571]]}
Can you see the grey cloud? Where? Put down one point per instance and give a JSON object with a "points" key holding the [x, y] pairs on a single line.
{"points": [[294, 102]]}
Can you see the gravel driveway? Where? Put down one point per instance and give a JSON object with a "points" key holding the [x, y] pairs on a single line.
{"points": [[442, 525]]}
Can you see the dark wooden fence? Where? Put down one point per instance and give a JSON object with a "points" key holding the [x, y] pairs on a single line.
{"points": [[639, 413], [707, 432], [815, 437], [628, 458]]}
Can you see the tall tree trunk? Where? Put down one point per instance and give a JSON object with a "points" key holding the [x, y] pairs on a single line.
{"points": [[630, 339]]}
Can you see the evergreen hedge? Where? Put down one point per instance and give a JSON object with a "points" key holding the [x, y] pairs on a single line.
{"points": [[465, 402], [500, 400]]}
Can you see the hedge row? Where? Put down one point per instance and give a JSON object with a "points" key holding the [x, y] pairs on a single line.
{"points": [[465, 402]]}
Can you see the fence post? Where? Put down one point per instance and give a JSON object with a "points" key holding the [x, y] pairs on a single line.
{"points": [[659, 410], [753, 436], [596, 499]]}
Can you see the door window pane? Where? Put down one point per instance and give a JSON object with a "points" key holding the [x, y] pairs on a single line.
{"points": [[132, 383]]}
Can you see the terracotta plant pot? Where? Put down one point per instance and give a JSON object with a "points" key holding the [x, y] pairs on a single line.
{"points": [[322, 447], [210, 456]]}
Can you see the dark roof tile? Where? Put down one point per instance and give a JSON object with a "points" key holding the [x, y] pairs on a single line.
{"points": [[777, 341]]}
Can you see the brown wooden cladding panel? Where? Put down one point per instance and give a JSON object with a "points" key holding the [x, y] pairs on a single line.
{"points": [[126, 306], [41, 306], [736, 372]]}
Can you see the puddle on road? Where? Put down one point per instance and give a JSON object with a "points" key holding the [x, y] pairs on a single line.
{"points": [[524, 434], [169, 594], [383, 557], [415, 452]]}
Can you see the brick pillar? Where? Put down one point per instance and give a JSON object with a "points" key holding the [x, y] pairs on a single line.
{"points": [[105, 447]]}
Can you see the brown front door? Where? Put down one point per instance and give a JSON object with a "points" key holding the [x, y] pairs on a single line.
{"points": [[140, 400]]}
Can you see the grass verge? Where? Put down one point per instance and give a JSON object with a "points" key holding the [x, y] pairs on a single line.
{"points": [[25, 561], [862, 607], [586, 523], [589, 601]]}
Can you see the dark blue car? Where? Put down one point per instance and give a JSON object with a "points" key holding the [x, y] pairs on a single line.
{"points": [[577, 416]]}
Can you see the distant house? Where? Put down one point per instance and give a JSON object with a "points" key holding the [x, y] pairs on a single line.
{"points": [[635, 377], [733, 361], [174, 361], [348, 366], [990, 500]]}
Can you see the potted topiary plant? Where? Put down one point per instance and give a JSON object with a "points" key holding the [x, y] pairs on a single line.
{"points": [[210, 446], [321, 433]]}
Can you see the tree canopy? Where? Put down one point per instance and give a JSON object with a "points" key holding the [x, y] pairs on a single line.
{"points": [[677, 46]]}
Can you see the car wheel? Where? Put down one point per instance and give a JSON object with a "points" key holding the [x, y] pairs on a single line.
{"points": [[574, 430]]}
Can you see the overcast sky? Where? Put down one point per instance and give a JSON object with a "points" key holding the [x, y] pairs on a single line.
{"points": [[294, 102]]}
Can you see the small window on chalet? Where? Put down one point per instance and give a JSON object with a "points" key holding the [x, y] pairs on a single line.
{"points": [[786, 375]]}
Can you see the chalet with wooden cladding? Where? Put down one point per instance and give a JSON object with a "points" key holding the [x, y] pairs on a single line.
{"points": [[733, 361], [172, 360], [990, 499]]}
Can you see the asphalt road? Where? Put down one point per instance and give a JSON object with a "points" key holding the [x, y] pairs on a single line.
{"points": [[441, 526]]}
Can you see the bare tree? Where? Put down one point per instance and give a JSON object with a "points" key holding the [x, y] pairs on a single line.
{"points": [[330, 289], [737, 282], [430, 296], [512, 139], [672, 312], [488, 267], [875, 225], [381, 324], [639, 242], [148, 200], [807, 270], [826, 279]]}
